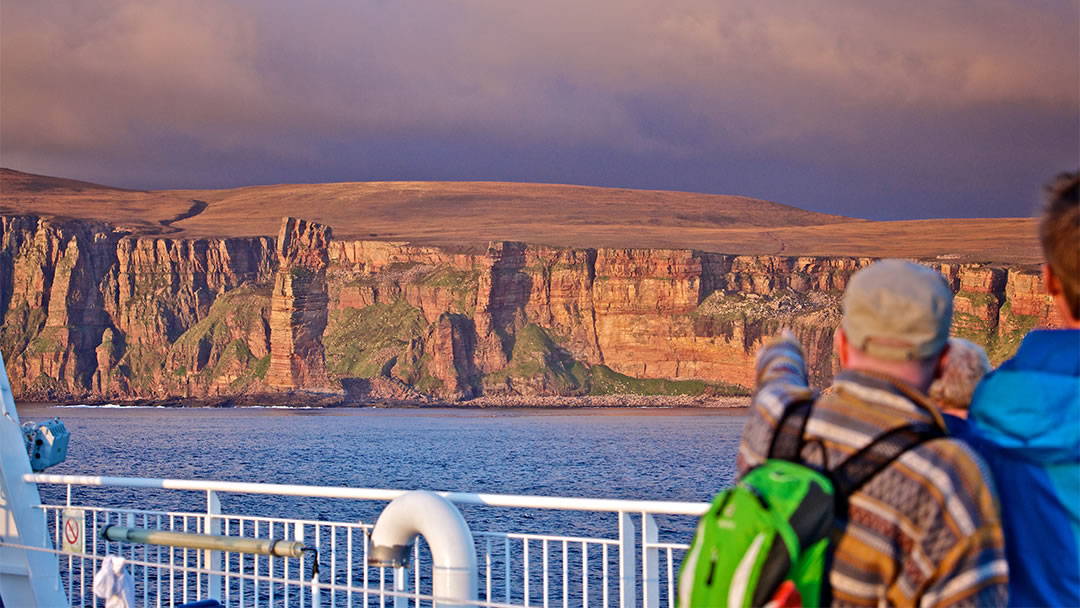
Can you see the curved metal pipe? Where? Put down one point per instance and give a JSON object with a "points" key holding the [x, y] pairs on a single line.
{"points": [[440, 523], [209, 542]]}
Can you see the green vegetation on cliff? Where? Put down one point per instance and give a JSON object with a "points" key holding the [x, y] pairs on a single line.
{"points": [[980, 329], [1005, 343], [218, 349], [462, 285], [606, 381], [780, 304], [142, 365], [540, 364], [448, 276], [359, 342], [46, 385], [21, 325], [1000, 334], [48, 340], [971, 327], [978, 299]]}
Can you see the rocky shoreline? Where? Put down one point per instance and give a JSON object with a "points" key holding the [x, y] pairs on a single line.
{"points": [[330, 400]]}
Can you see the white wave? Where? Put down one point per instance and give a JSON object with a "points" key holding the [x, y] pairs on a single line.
{"points": [[278, 407], [112, 406]]}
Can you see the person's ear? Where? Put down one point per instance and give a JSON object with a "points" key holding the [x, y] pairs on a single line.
{"points": [[840, 346], [1053, 285]]}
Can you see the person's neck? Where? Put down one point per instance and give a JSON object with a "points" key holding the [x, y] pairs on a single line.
{"points": [[954, 411], [907, 374]]}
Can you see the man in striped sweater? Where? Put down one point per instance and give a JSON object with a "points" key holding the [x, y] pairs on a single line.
{"points": [[925, 530]]}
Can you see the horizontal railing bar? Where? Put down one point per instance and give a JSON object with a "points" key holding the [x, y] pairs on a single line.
{"points": [[230, 518], [463, 498], [124, 510], [666, 546], [293, 582], [556, 538], [224, 516]]}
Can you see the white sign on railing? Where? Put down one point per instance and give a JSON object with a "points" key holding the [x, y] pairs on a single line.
{"points": [[74, 531]]}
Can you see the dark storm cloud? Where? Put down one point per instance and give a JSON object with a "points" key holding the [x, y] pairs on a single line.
{"points": [[914, 110]]}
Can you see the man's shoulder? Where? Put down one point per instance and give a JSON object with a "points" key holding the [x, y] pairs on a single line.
{"points": [[867, 405], [940, 480], [951, 454], [1053, 350], [1031, 403], [946, 462]]}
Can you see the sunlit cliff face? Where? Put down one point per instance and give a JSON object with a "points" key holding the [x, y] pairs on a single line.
{"points": [[93, 313], [919, 109]]}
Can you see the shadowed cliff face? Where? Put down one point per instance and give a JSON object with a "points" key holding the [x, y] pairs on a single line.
{"points": [[90, 313], [54, 297]]}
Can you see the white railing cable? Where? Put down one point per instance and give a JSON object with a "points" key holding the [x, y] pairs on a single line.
{"points": [[613, 505]]}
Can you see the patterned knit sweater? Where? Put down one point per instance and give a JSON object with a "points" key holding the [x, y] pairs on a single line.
{"points": [[924, 531]]}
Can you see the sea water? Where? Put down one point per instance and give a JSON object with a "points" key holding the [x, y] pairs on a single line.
{"points": [[641, 454], [645, 454]]}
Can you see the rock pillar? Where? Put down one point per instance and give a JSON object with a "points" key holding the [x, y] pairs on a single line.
{"points": [[298, 307]]}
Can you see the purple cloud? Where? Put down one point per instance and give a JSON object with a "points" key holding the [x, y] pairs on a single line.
{"points": [[932, 102]]}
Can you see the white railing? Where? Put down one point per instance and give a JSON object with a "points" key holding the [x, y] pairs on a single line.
{"points": [[633, 565]]}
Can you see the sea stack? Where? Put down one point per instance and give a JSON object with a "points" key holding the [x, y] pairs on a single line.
{"points": [[298, 311]]}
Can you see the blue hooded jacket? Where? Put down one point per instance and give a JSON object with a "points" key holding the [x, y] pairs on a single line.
{"points": [[1025, 421]]}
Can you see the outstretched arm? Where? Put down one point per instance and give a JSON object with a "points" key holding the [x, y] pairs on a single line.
{"points": [[781, 380]]}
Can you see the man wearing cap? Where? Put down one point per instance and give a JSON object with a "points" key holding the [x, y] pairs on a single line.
{"points": [[925, 530]]}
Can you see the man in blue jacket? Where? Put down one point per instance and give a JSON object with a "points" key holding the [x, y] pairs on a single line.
{"points": [[1025, 420]]}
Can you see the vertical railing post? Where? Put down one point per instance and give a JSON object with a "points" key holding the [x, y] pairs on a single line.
{"points": [[298, 535], [401, 583], [650, 562], [213, 560], [316, 590], [627, 561]]}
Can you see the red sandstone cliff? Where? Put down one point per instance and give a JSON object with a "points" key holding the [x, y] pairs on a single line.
{"points": [[298, 307], [91, 313]]}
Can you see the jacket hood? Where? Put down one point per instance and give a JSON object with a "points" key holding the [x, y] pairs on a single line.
{"points": [[1031, 404]]}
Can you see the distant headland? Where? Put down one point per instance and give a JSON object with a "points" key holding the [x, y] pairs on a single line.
{"points": [[428, 293]]}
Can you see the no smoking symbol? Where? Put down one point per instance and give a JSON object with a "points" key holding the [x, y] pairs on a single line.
{"points": [[74, 529], [71, 532]]}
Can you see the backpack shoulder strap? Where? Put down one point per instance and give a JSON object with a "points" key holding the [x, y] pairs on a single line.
{"points": [[863, 465], [787, 441]]}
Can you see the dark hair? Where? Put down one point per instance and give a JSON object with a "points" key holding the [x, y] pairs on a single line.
{"points": [[1059, 232]]}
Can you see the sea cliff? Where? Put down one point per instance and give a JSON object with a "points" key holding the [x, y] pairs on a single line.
{"points": [[92, 313]]}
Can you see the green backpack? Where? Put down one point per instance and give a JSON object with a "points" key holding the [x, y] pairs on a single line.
{"points": [[768, 537]]}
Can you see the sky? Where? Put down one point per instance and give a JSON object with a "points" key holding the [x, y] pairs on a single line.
{"points": [[880, 110]]}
